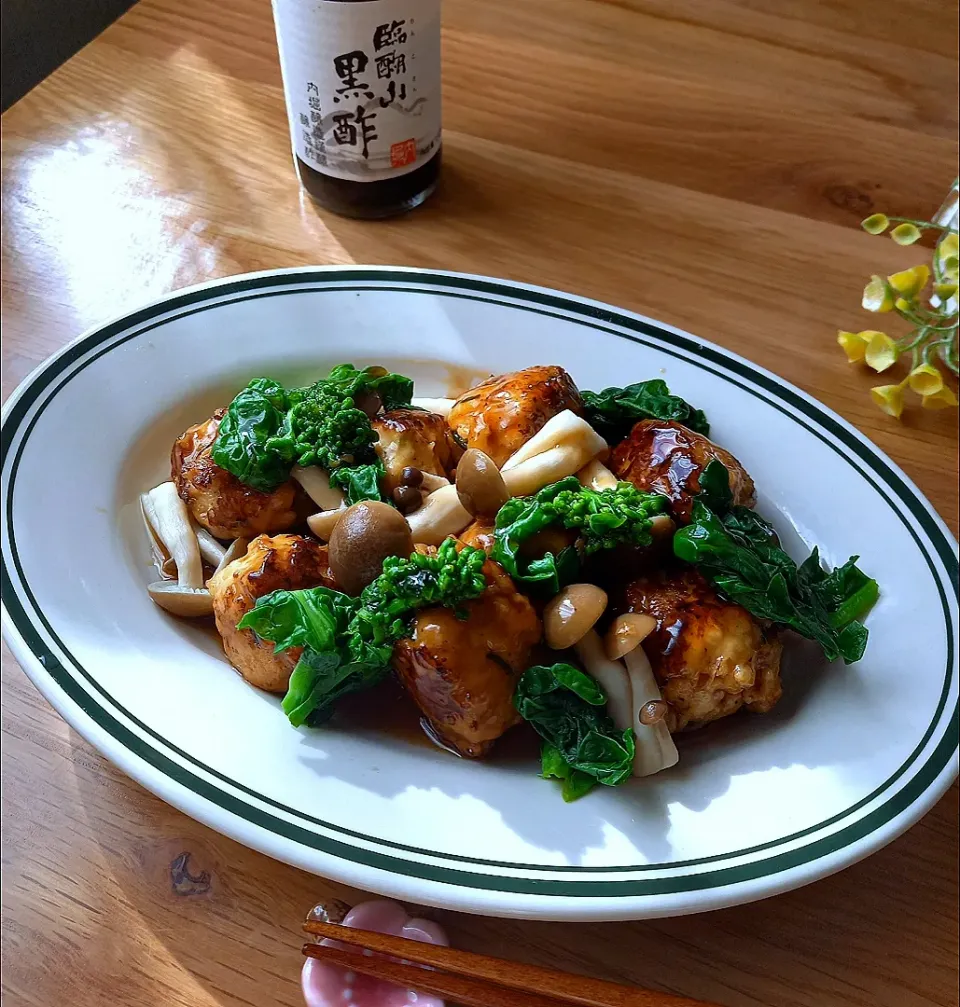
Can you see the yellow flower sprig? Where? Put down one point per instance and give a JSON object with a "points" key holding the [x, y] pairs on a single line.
{"points": [[932, 314]]}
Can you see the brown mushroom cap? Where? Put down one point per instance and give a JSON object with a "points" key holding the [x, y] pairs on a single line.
{"points": [[366, 534], [571, 614], [626, 632], [480, 486]]}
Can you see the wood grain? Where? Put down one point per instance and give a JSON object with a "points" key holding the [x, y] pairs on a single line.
{"points": [[704, 163], [476, 978]]}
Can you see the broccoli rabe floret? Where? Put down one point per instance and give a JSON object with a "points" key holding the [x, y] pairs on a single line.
{"points": [[267, 429], [606, 518], [448, 578], [323, 427]]}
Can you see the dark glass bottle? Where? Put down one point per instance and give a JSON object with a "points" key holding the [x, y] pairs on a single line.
{"points": [[371, 200], [362, 84]]}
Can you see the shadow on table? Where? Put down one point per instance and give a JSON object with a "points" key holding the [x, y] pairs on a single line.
{"points": [[230, 917]]}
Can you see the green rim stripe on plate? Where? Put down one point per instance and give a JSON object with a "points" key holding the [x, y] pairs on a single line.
{"points": [[508, 296]]}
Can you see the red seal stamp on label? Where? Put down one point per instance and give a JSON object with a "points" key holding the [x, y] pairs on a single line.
{"points": [[403, 153]]}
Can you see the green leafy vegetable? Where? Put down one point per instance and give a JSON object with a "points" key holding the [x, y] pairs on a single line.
{"points": [[359, 482], [739, 553], [395, 390], [574, 782], [254, 417], [448, 578], [348, 641], [267, 430], [613, 412], [582, 745], [605, 519], [324, 427], [715, 489], [308, 618], [334, 660], [320, 679]]}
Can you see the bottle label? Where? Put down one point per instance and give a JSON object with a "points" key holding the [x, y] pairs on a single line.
{"points": [[362, 83]]}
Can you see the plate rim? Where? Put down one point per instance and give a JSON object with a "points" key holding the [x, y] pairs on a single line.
{"points": [[585, 311]]}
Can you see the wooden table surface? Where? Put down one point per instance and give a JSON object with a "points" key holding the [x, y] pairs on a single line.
{"points": [[705, 163]]}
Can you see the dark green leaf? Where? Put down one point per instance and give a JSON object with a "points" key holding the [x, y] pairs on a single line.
{"points": [[348, 642], [715, 487], [564, 707], [360, 482], [254, 417], [614, 411], [267, 430], [395, 390], [740, 554], [320, 679], [307, 618]]}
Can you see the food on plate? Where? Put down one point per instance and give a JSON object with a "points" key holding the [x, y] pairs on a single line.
{"points": [[365, 536], [665, 457], [480, 484], [347, 639], [481, 534], [217, 499], [462, 668], [587, 563], [614, 411], [413, 443], [710, 656], [602, 519], [501, 414], [739, 553], [288, 562]]}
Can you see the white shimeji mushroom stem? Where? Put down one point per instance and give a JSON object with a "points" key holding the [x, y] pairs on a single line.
{"points": [[612, 677], [211, 550], [564, 444], [169, 521], [316, 482], [236, 550], [655, 747], [440, 516], [440, 406], [596, 476], [323, 522], [431, 483]]}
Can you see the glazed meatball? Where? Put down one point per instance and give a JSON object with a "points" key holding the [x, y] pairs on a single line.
{"points": [[217, 499], [663, 456], [710, 657], [479, 535], [502, 413], [415, 438], [283, 561], [462, 673]]}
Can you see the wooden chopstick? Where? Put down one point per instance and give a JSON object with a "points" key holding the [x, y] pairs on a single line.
{"points": [[461, 989], [477, 975]]}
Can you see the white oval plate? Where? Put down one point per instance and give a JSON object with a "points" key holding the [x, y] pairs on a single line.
{"points": [[759, 804]]}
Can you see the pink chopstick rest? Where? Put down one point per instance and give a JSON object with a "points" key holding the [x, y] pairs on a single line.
{"points": [[332, 986]]}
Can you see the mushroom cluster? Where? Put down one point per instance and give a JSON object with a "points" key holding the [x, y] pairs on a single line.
{"points": [[566, 445], [181, 549], [619, 665]]}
